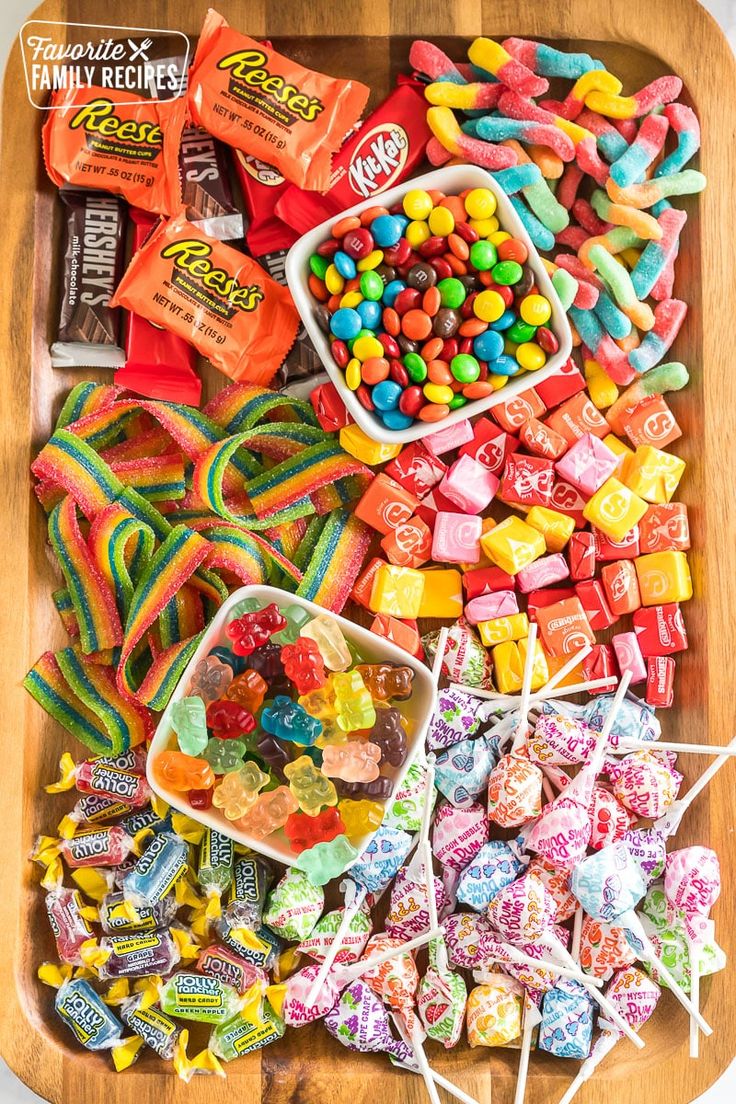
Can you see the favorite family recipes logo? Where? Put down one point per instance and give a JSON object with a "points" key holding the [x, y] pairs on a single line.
{"points": [[143, 61]]}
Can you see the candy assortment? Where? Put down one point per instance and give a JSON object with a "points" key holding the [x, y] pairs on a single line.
{"points": [[420, 301], [509, 880]]}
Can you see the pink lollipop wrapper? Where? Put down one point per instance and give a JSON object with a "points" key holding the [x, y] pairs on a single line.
{"points": [[458, 834], [562, 832], [609, 820], [645, 783], [692, 879], [563, 741], [522, 911], [465, 935], [296, 1011], [634, 994]]}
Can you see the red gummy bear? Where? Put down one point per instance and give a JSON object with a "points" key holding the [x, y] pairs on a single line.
{"points": [[253, 630], [227, 720], [304, 831], [200, 799], [303, 664]]}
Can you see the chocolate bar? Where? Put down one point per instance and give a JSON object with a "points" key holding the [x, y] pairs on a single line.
{"points": [[93, 264], [205, 185]]}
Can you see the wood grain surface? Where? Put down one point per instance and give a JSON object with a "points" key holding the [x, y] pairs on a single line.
{"points": [[370, 40]]}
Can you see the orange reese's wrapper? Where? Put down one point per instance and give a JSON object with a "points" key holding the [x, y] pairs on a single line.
{"points": [[255, 99], [210, 294], [103, 138]]}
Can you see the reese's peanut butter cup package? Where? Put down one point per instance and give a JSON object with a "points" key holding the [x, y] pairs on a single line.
{"points": [[116, 142], [158, 364], [213, 296], [93, 263], [255, 99]]}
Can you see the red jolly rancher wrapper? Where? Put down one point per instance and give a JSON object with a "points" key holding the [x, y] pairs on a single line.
{"points": [[255, 99], [209, 293], [386, 149], [158, 364]]}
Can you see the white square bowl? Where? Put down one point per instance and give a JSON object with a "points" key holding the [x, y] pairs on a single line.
{"points": [[417, 712], [450, 180]]}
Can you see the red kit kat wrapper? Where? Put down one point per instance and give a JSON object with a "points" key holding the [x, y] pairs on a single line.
{"points": [[386, 149], [158, 364]]}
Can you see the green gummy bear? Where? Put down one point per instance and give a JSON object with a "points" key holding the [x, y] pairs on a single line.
{"points": [[296, 618], [224, 755], [325, 861], [189, 722]]}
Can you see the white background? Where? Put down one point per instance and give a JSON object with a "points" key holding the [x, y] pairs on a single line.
{"points": [[13, 1091]]}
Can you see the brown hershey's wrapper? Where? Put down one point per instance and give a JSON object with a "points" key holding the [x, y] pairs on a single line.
{"points": [[206, 185], [93, 264]]}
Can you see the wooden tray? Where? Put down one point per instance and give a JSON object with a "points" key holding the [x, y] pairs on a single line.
{"points": [[638, 41]]}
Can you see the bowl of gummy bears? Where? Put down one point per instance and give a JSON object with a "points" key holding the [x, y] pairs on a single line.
{"points": [[291, 728], [428, 304]]}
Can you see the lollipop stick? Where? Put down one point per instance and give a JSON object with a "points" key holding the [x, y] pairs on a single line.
{"points": [[650, 955], [511, 701], [424, 1067], [526, 685], [565, 670], [605, 1043], [577, 932], [439, 655], [507, 953], [601, 746], [531, 1018], [611, 1011], [726, 751], [670, 822], [349, 911], [694, 997], [359, 968]]}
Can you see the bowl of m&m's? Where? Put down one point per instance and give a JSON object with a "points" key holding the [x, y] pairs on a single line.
{"points": [[429, 307], [290, 728]]}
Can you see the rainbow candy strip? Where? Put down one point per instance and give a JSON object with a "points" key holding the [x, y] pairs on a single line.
{"points": [[157, 478], [121, 544], [181, 618], [288, 486], [75, 467], [84, 699], [91, 596], [86, 398], [344, 539]]}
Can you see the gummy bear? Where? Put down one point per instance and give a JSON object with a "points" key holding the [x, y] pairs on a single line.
{"points": [[273, 753], [355, 761], [246, 605], [389, 733], [325, 861], [303, 664], [271, 811], [329, 638], [380, 788], [360, 817], [237, 663], [210, 679], [354, 704], [320, 703], [267, 662], [296, 618], [238, 791], [386, 680], [179, 772], [200, 799], [254, 629], [224, 755], [248, 689], [309, 786], [228, 720], [189, 722], [304, 831], [290, 721]]}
